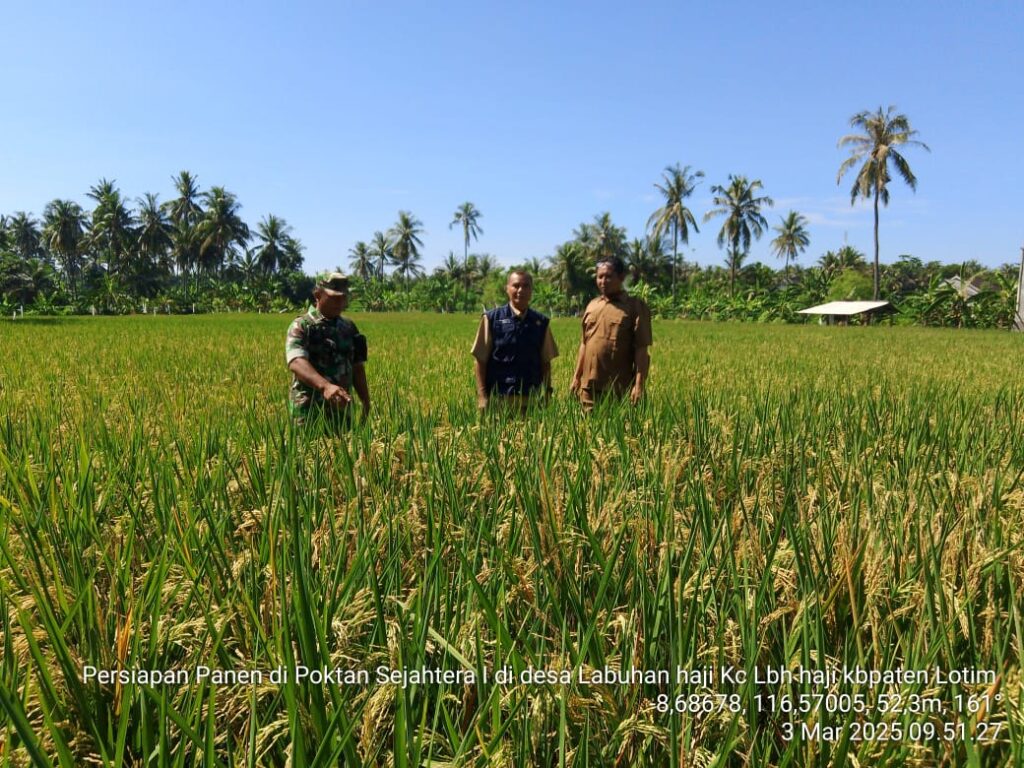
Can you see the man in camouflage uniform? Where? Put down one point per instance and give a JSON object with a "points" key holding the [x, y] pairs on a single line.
{"points": [[326, 355]]}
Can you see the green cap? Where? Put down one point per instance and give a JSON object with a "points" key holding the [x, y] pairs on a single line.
{"points": [[335, 283]]}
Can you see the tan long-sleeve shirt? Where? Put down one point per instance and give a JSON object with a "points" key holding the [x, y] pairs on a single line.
{"points": [[613, 329]]}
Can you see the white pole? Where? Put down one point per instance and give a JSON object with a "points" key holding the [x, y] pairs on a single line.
{"points": [[1018, 320]]}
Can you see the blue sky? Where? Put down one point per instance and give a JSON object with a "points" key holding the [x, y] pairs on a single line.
{"points": [[337, 115]]}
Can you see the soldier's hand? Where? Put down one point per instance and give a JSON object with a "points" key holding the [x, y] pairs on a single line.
{"points": [[482, 401], [636, 393], [336, 395], [576, 385]]}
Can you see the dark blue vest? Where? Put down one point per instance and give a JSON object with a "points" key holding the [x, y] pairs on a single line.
{"points": [[514, 367]]}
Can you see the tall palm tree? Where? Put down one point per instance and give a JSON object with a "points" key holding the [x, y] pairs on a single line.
{"points": [[467, 215], [185, 208], [154, 232], [734, 258], [602, 239], [185, 213], [674, 216], [293, 258], [221, 231], [793, 238], [833, 263], [741, 207], [451, 267], [63, 233], [883, 133], [460, 273], [406, 242], [102, 189], [647, 261], [534, 266], [271, 233], [361, 262], [380, 250], [571, 271], [249, 268], [112, 234], [22, 281], [24, 235], [484, 266]]}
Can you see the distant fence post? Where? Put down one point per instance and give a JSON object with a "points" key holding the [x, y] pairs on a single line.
{"points": [[1018, 318]]}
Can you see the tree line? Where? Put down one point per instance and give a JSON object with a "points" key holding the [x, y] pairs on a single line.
{"points": [[929, 293], [125, 254], [196, 253]]}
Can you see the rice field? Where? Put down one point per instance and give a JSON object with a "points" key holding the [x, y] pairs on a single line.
{"points": [[806, 547]]}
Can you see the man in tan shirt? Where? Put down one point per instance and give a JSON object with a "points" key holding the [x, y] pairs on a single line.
{"points": [[513, 348], [613, 357]]}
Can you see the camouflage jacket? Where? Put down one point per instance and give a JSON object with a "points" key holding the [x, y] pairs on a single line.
{"points": [[333, 347]]}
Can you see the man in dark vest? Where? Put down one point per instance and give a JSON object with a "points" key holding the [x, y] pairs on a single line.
{"points": [[513, 348]]}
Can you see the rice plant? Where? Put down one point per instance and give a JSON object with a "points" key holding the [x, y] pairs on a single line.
{"points": [[186, 579]]}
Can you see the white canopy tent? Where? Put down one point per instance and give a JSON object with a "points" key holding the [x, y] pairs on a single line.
{"points": [[842, 311]]}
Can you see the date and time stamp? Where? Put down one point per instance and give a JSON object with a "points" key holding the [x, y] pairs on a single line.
{"points": [[850, 704], [828, 704]]}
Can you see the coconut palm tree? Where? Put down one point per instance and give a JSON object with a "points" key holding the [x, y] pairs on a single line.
{"points": [[185, 213], [793, 238], [154, 232], [406, 242], [876, 147], [292, 258], [674, 216], [741, 207], [24, 235], [648, 261], [24, 281], [571, 271], [380, 251], [460, 273], [112, 234], [64, 224], [361, 261], [221, 231], [485, 266], [602, 239], [249, 268], [847, 257], [451, 267], [271, 234], [534, 266], [467, 215], [185, 208]]}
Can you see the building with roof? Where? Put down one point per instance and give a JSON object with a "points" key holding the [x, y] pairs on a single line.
{"points": [[966, 288]]}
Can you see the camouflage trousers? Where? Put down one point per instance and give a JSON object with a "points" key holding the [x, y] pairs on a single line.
{"points": [[323, 418]]}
